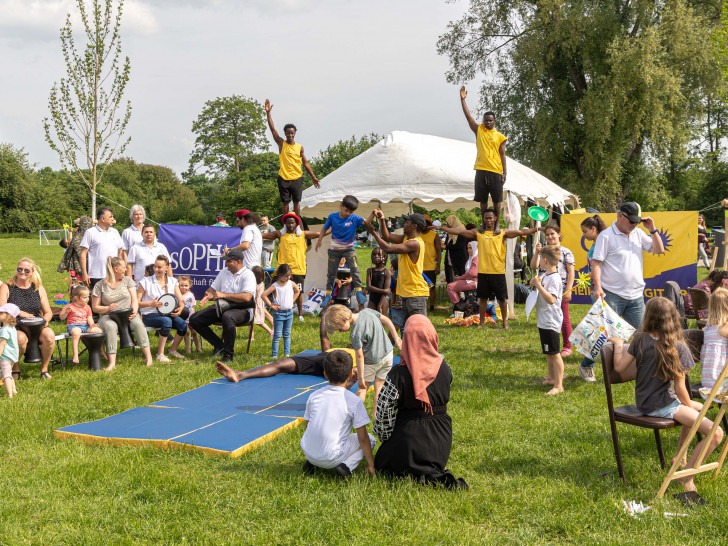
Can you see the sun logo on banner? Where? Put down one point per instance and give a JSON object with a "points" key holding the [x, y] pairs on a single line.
{"points": [[666, 239]]}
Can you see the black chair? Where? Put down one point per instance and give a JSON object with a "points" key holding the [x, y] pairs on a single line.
{"points": [[700, 303]]}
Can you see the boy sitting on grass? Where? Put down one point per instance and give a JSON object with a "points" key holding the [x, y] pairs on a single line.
{"points": [[331, 412], [550, 317]]}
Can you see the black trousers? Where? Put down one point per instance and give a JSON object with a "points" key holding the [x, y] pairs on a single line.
{"points": [[230, 320]]}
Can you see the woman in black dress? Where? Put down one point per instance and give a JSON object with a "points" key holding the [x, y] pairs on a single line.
{"points": [[412, 421], [456, 251]]}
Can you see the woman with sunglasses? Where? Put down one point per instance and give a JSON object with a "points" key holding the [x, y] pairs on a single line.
{"points": [[25, 289]]}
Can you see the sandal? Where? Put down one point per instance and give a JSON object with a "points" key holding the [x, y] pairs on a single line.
{"points": [[16, 376], [45, 375]]}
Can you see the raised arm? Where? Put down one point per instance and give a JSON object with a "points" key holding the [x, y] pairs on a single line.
{"points": [[657, 245], [513, 233], [276, 136], [473, 124], [311, 234], [270, 235], [398, 248], [467, 233]]}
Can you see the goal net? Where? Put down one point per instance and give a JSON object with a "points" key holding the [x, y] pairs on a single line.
{"points": [[51, 236]]}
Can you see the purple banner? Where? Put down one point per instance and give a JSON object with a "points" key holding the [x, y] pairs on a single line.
{"points": [[195, 251]]}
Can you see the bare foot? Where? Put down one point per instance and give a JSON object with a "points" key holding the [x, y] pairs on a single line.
{"points": [[555, 390], [75, 360], [683, 462], [149, 362], [548, 381], [353, 379], [226, 371], [688, 483], [109, 367], [505, 325]]}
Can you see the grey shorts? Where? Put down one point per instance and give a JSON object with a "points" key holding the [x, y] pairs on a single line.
{"points": [[416, 305]]}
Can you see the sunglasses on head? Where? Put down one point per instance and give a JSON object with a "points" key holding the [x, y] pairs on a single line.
{"points": [[23, 270]]}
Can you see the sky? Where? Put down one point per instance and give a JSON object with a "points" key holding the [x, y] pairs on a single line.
{"points": [[335, 68]]}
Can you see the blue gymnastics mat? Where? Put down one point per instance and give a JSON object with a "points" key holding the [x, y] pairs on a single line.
{"points": [[220, 418]]}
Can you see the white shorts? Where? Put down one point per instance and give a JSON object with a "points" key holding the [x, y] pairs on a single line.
{"points": [[6, 368], [379, 369]]}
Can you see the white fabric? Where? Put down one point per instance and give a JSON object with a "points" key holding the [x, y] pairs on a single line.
{"points": [[100, 244], [152, 291], [474, 246], [621, 258], [131, 236], [251, 256], [141, 255], [331, 413], [284, 295], [242, 281], [550, 316]]}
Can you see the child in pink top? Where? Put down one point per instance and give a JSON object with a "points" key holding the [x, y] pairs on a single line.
{"points": [[79, 318]]}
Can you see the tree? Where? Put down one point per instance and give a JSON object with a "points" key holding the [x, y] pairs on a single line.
{"points": [[335, 155], [88, 118], [230, 130], [587, 91]]}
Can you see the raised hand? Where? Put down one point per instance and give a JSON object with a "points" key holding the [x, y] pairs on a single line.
{"points": [[463, 92], [268, 106]]}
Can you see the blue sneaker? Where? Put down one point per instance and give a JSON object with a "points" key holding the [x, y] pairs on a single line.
{"points": [[360, 297]]}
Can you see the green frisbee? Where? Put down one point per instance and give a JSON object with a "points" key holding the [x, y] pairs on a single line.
{"points": [[539, 214]]}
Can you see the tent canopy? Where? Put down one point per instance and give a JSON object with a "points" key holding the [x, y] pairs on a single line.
{"points": [[425, 170]]}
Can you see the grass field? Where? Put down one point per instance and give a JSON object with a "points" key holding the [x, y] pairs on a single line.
{"points": [[541, 469]]}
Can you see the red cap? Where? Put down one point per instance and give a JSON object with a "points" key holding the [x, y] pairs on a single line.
{"points": [[291, 215], [241, 213]]}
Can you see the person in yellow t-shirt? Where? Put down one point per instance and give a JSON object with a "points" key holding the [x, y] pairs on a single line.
{"points": [[290, 154], [292, 251], [491, 260], [433, 258], [490, 162]]}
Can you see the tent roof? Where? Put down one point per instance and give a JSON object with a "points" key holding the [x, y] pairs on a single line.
{"points": [[426, 170]]}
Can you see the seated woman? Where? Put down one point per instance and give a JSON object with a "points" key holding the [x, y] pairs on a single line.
{"points": [[714, 280], [149, 291], [469, 280], [116, 291], [25, 289], [412, 421]]}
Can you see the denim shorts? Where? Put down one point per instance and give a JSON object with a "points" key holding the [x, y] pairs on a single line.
{"points": [[83, 327], [667, 412], [397, 317]]}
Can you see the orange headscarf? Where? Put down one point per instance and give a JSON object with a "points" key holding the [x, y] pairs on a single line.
{"points": [[420, 355]]}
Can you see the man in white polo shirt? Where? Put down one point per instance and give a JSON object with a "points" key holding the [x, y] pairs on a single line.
{"points": [[144, 253], [617, 262], [98, 244], [236, 285], [251, 241]]}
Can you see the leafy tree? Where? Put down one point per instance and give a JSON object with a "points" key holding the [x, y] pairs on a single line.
{"points": [[88, 117], [230, 130], [587, 90], [335, 155]]}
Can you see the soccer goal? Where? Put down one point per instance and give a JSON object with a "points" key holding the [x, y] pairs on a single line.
{"points": [[51, 236]]}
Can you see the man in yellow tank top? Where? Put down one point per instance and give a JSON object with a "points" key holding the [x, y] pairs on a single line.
{"points": [[292, 251], [491, 261], [291, 155], [412, 286], [433, 254], [490, 162]]}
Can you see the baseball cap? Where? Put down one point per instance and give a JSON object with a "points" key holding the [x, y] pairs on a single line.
{"points": [[291, 215], [416, 219], [242, 212], [233, 254], [10, 309], [632, 211]]}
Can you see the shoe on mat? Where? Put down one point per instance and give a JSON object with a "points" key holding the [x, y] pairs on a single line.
{"points": [[161, 358], [587, 373], [342, 471], [308, 468], [566, 352], [175, 354]]}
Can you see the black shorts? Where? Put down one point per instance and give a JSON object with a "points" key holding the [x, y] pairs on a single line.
{"points": [[431, 275], [310, 365], [492, 286], [290, 190], [550, 341], [488, 183], [298, 280]]}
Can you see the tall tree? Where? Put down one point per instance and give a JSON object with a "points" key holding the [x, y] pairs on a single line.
{"points": [[335, 155], [88, 116], [587, 90]]}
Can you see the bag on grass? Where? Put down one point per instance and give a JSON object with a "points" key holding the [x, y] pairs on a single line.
{"points": [[599, 324]]}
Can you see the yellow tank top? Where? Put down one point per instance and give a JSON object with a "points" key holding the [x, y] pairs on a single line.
{"points": [[290, 159], [292, 251], [488, 143], [351, 352], [430, 255], [491, 253], [410, 283]]}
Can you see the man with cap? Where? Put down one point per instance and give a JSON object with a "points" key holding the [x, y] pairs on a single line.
{"points": [[412, 287], [617, 262], [220, 221], [251, 242], [292, 250], [235, 284]]}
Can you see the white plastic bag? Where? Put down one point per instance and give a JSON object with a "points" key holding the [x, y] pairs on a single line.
{"points": [[312, 305], [599, 324], [512, 208]]}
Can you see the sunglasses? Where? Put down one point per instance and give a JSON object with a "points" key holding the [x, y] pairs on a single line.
{"points": [[23, 270]]}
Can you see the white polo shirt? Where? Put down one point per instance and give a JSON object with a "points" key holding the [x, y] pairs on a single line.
{"points": [[130, 236], [621, 258], [152, 291], [141, 255], [242, 281], [100, 244], [251, 234]]}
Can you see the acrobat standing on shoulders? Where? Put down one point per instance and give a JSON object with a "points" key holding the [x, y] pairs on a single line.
{"points": [[290, 153]]}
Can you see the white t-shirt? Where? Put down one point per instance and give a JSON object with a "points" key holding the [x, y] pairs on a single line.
{"points": [[152, 291], [100, 244], [130, 237], [141, 255], [242, 281], [621, 258], [284, 295], [551, 316], [331, 413], [251, 234]]}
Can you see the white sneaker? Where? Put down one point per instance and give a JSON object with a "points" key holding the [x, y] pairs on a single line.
{"points": [[161, 358], [587, 373], [175, 354], [300, 318]]}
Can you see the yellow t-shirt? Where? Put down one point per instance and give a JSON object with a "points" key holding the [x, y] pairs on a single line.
{"points": [[290, 160], [292, 251], [488, 143], [491, 253], [410, 282], [350, 351], [430, 254]]}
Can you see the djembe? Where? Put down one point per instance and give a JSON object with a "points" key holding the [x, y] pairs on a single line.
{"points": [[93, 343], [32, 327], [121, 318]]}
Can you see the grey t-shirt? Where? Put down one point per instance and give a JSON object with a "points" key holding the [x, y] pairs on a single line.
{"points": [[650, 392], [268, 245], [550, 317], [369, 335], [119, 295]]}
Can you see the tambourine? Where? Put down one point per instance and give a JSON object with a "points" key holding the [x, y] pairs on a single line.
{"points": [[169, 304]]}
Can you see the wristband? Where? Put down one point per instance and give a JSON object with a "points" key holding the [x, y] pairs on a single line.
{"points": [[653, 232]]}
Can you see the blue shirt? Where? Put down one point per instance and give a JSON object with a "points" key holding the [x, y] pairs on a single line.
{"points": [[343, 230]]}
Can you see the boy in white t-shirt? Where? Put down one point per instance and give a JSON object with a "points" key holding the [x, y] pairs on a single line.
{"points": [[330, 414], [550, 316]]}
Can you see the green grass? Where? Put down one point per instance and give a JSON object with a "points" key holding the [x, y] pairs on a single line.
{"points": [[540, 469]]}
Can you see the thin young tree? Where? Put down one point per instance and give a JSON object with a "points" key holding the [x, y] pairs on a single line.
{"points": [[88, 117]]}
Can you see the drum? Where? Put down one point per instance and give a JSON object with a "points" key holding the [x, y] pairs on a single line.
{"points": [[32, 327], [169, 304], [121, 318], [93, 343]]}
